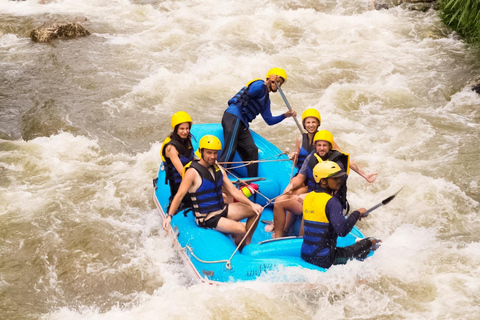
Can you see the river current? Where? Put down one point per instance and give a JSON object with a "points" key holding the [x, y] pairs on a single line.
{"points": [[82, 122]]}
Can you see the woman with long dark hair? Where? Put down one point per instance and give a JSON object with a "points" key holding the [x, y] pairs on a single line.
{"points": [[177, 151]]}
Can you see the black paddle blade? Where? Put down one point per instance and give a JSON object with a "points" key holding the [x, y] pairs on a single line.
{"points": [[386, 201]]}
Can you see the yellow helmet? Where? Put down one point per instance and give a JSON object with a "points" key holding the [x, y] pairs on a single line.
{"points": [[180, 117], [327, 169], [311, 113], [210, 142], [323, 135], [278, 72]]}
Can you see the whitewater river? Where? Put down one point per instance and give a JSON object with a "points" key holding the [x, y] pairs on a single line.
{"points": [[82, 121]]}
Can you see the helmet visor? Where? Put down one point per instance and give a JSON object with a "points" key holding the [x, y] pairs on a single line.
{"points": [[337, 175]]}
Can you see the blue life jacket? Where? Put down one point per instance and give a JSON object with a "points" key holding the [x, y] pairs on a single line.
{"points": [[208, 197], [305, 149], [172, 176], [319, 238], [249, 108], [335, 156]]}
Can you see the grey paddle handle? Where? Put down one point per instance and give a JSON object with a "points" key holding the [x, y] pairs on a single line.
{"points": [[371, 209], [288, 106]]}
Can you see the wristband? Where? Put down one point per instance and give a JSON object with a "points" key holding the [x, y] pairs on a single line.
{"points": [[168, 215]]}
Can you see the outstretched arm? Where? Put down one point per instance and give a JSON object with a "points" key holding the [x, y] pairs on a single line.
{"points": [[370, 177]]}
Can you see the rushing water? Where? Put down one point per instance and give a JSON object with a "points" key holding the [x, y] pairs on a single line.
{"points": [[82, 121]]}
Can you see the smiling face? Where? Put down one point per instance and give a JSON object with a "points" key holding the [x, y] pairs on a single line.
{"points": [[311, 124], [322, 147], [272, 86], [183, 130], [209, 156]]}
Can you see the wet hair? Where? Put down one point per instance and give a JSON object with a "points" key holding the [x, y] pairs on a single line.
{"points": [[185, 145]]}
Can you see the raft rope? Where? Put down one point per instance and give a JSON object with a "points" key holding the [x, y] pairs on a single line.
{"points": [[247, 163], [227, 262], [246, 184]]}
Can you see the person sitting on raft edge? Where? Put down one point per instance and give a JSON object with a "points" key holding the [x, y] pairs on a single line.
{"points": [[324, 221], [253, 99], [311, 121], [290, 201], [176, 152], [204, 180]]}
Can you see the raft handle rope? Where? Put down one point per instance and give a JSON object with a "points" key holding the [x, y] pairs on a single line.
{"points": [[274, 156], [246, 163], [246, 184], [227, 262]]}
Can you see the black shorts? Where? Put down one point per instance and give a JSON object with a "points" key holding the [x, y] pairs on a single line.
{"points": [[213, 221]]}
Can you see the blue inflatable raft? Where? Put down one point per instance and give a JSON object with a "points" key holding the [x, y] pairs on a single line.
{"points": [[212, 256]]}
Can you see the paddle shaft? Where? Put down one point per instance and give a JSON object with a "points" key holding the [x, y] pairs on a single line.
{"points": [[384, 202], [288, 106], [372, 208]]}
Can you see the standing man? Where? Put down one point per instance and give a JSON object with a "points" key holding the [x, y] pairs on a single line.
{"points": [[204, 180], [324, 222], [250, 101]]}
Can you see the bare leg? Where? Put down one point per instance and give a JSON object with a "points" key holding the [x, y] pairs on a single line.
{"points": [[300, 233], [227, 197], [236, 212], [289, 219], [282, 204]]}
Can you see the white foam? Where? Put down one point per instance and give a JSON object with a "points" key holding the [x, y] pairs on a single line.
{"points": [[384, 82]]}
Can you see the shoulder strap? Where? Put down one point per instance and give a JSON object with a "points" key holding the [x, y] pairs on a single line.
{"points": [[252, 81], [204, 173], [165, 143], [343, 157]]}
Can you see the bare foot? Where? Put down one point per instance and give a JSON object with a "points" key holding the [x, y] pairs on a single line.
{"points": [[269, 228]]}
